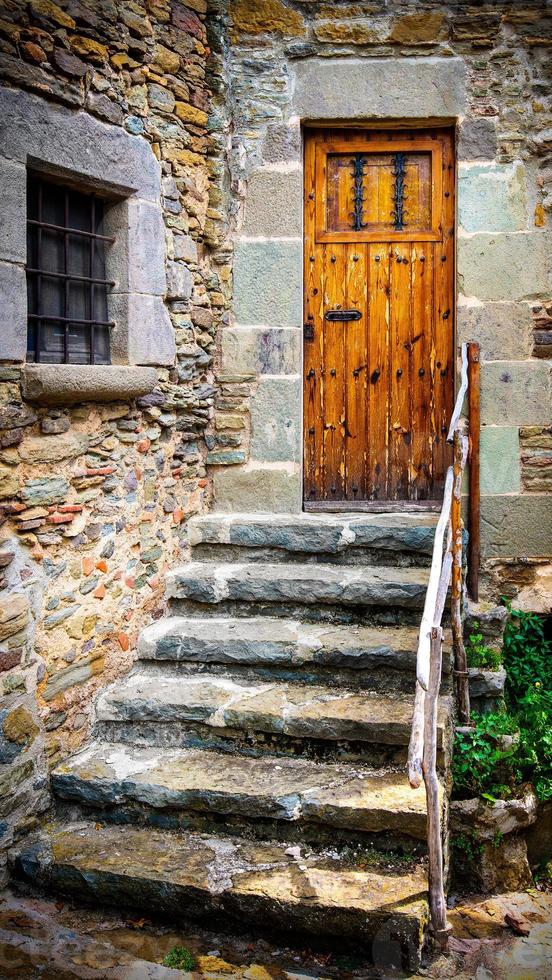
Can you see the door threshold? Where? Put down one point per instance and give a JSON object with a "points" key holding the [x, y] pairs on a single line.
{"points": [[373, 506]]}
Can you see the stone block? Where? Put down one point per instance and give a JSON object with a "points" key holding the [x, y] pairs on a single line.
{"points": [[477, 139], [252, 350], [257, 489], [137, 259], [274, 203], [68, 384], [282, 144], [517, 526], [504, 266], [143, 333], [13, 303], [276, 420], [76, 141], [180, 281], [516, 393], [503, 330], [265, 17], [500, 460], [13, 228], [36, 449], [268, 283], [492, 197], [358, 88]]}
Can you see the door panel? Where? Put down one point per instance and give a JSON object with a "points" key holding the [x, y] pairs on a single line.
{"points": [[379, 257]]}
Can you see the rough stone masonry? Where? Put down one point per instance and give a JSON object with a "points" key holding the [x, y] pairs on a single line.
{"points": [[95, 495]]}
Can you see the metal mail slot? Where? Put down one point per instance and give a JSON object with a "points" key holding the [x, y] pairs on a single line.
{"points": [[339, 316]]}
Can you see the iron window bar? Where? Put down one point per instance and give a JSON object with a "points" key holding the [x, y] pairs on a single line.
{"points": [[71, 276], [71, 231], [83, 346]]}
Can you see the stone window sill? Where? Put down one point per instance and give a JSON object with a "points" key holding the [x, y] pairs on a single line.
{"points": [[66, 384]]}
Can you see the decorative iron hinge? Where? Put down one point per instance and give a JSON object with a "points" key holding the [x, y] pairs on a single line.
{"points": [[399, 173], [358, 174]]}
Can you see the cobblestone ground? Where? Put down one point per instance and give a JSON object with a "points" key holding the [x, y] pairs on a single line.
{"points": [[52, 941]]}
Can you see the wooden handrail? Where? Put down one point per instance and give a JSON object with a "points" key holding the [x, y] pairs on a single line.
{"points": [[446, 566]]}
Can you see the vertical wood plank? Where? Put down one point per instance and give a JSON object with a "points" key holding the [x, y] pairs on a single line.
{"points": [[313, 380], [356, 355], [334, 374], [420, 388], [378, 370], [443, 374], [400, 317]]}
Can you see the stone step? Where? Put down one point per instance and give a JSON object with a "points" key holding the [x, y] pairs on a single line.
{"points": [[278, 642], [214, 701], [349, 797], [270, 886], [297, 586], [374, 658], [327, 537]]}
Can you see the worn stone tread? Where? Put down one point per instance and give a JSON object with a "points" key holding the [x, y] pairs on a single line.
{"points": [[190, 874], [269, 641], [211, 583], [313, 711], [316, 533], [349, 796]]}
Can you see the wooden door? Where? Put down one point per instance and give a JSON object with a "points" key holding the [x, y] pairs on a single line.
{"points": [[379, 316]]}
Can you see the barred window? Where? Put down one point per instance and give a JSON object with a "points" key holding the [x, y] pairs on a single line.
{"points": [[67, 289]]}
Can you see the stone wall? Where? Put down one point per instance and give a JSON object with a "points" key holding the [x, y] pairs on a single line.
{"points": [[95, 495], [483, 66]]}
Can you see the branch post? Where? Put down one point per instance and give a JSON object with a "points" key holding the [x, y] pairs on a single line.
{"points": [[474, 506], [437, 903], [460, 659]]}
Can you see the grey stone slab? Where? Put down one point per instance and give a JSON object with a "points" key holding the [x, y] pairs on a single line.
{"points": [[516, 393], [137, 260], [268, 283], [265, 883], [516, 526], [350, 797], [274, 203], [282, 143], [504, 266], [359, 88], [256, 350], [257, 488], [305, 711], [13, 227], [66, 384], [500, 460], [33, 128], [143, 332], [276, 420], [477, 139], [316, 533], [264, 582], [504, 331], [269, 641], [13, 303], [492, 197]]}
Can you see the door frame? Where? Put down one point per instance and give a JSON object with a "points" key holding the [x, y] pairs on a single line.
{"points": [[406, 125]]}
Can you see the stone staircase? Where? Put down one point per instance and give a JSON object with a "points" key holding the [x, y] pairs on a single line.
{"points": [[255, 756]]}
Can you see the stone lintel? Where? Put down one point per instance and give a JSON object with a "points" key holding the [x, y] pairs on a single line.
{"points": [[368, 88], [65, 384]]}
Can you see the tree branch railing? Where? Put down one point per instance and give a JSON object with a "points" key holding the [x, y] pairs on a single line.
{"points": [[446, 570]]}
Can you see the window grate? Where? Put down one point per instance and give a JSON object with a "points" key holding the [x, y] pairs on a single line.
{"points": [[67, 287]]}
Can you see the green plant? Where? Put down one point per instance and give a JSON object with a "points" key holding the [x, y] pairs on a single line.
{"points": [[180, 958], [467, 845], [527, 655], [484, 761], [479, 654]]}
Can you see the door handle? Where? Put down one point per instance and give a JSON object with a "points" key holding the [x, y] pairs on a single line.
{"points": [[341, 316]]}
